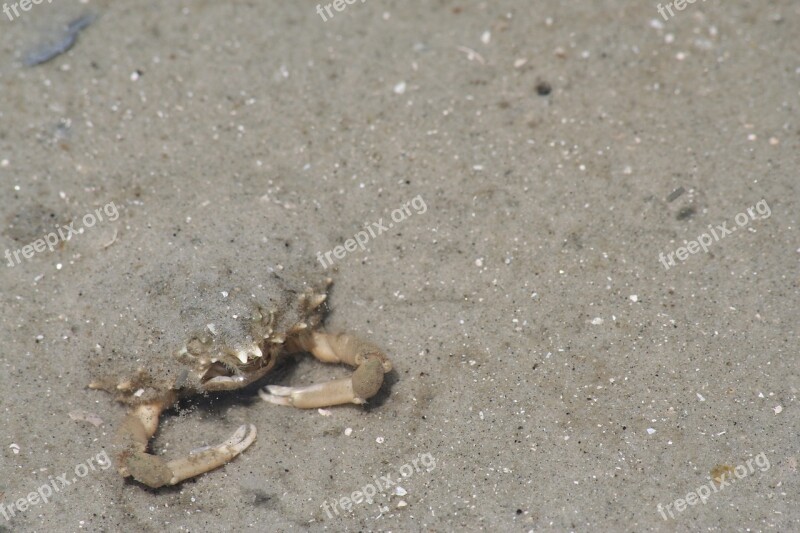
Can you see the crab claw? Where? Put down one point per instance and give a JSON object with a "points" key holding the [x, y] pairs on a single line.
{"points": [[214, 457], [155, 472], [370, 362]]}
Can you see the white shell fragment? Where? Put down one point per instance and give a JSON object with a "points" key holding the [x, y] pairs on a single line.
{"points": [[85, 416]]}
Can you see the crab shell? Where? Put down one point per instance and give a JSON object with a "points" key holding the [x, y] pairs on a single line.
{"points": [[219, 357], [174, 309]]}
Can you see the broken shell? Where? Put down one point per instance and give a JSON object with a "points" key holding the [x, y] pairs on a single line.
{"points": [[85, 416]]}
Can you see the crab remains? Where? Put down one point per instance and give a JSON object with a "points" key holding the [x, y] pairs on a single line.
{"points": [[185, 319]]}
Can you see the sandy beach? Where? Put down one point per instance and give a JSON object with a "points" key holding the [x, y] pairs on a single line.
{"points": [[573, 227]]}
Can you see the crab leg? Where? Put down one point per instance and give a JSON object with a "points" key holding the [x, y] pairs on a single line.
{"points": [[134, 461], [370, 362]]}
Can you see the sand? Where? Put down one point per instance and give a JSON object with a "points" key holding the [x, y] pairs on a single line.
{"points": [[578, 344]]}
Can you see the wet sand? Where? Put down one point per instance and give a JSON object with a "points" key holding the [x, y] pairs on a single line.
{"points": [[578, 345]]}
